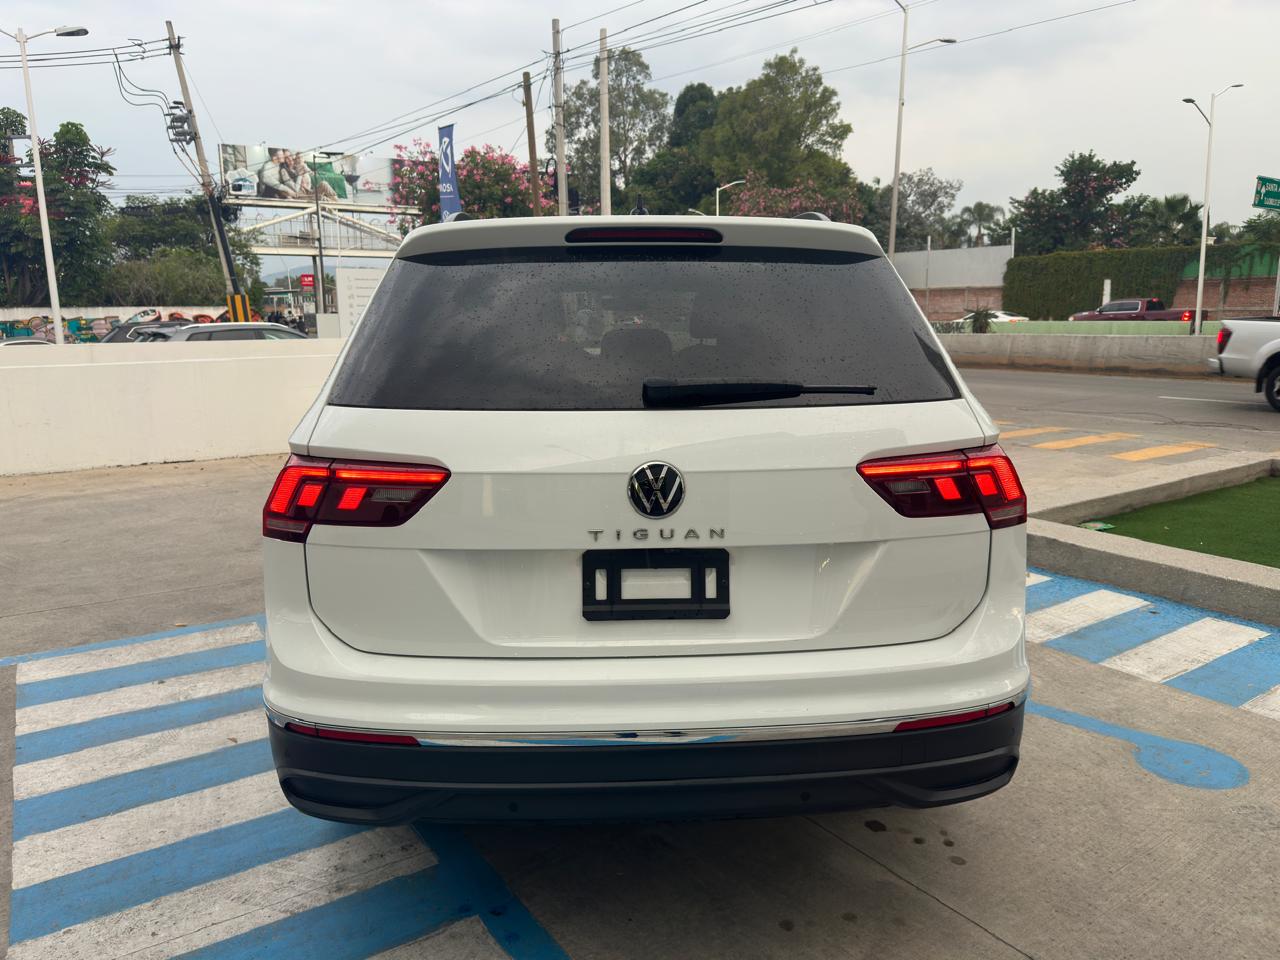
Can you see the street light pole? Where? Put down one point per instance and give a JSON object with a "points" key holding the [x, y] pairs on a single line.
{"points": [[1196, 321], [55, 308], [897, 143], [725, 187]]}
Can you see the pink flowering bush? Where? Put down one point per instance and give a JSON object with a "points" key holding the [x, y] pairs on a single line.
{"points": [[491, 184], [756, 198]]}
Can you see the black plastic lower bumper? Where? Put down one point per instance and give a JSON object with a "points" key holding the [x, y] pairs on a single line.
{"points": [[384, 784]]}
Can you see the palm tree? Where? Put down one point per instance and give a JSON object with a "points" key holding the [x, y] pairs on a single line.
{"points": [[1173, 219], [979, 215]]}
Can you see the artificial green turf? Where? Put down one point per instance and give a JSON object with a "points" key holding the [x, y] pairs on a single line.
{"points": [[1238, 522]]}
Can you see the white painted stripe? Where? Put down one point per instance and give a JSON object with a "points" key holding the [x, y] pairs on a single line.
{"points": [[43, 856], [1267, 704], [136, 753], [465, 940], [1077, 613], [1034, 578], [1184, 649], [45, 716], [215, 911], [132, 653]]}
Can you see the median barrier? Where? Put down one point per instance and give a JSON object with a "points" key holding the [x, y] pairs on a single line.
{"points": [[1178, 356]]}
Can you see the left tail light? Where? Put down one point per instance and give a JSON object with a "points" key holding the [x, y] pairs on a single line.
{"points": [[1224, 337], [310, 491], [1186, 316], [947, 484]]}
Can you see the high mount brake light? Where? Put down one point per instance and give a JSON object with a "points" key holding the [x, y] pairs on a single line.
{"points": [[947, 484], [310, 491], [643, 235]]}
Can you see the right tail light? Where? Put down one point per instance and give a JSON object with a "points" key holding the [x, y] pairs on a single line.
{"points": [[947, 484]]}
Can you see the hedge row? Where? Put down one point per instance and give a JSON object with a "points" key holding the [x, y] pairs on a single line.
{"points": [[1056, 285]]}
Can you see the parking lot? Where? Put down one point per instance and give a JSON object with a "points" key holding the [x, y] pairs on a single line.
{"points": [[1144, 820]]}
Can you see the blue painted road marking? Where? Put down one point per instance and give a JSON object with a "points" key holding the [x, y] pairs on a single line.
{"points": [[363, 890], [1189, 764], [1235, 678]]}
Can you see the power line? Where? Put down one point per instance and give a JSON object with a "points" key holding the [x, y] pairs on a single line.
{"points": [[985, 36], [207, 112], [633, 3], [794, 40]]}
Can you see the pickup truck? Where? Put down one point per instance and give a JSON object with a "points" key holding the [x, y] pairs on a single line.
{"points": [[1145, 308], [1250, 347]]}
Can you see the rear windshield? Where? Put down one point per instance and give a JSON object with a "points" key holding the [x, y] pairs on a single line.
{"points": [[552, 328]]}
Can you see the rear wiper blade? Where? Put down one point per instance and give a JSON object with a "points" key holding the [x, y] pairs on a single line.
{"points": [[709, 393]]}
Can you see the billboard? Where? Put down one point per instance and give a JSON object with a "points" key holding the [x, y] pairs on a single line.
{"points": [[282, 173]]}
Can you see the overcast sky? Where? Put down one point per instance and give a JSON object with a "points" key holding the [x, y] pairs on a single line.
{"points": [[997, 113]]}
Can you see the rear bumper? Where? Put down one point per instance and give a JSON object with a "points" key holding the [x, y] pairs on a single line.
{"points": [[1215, 365], [381, 784]]}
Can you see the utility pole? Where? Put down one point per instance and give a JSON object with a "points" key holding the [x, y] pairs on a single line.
{"points": [[535, 188], [606, 175], [897, 148], [206, 181], [562, 186], [315, 189]]}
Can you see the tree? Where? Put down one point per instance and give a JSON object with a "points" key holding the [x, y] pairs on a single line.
{"points": [[165, 253], [977, 217], [693, 115], [1261, 228], [1081, 213], [757, 198], [491, 184], [784, 124], [673, 181], [1168, 221], [925, 201], [638, 125], [75, 172]]}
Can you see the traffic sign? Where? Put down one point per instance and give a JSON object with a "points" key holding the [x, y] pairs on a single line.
{"points": [[308, 280], [1267, 193]]}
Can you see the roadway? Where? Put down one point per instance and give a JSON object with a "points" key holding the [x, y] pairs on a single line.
{"points": [[1225, 413]]}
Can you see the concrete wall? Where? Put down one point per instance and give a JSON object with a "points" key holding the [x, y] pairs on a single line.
{"points": [[952, 303], [961, 267], [1176, 356], [96, 405]]}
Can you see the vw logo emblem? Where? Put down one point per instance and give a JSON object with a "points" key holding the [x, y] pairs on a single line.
{"points": [[656, 489]]}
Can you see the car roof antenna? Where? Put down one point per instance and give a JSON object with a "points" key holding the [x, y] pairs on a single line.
{"points": [[639, 210]]}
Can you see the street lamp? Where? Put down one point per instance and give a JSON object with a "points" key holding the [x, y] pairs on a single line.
{"points": [[725, 187], [55, 308], [1196, 322], [902, 100]]}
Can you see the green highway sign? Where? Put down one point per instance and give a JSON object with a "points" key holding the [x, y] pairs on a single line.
{"points": [[1267, 193]]}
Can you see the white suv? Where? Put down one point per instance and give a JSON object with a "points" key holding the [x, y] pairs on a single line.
{"points": [[627, 518]]}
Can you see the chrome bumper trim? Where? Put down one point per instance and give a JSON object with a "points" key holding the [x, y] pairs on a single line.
{"points": [[587, 738]]}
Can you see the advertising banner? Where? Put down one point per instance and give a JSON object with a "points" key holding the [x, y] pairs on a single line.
{"points": [[281, 173], [450, 202]]}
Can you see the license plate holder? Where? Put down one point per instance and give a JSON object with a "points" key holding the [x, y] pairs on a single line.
{"points": [[708, 584]]}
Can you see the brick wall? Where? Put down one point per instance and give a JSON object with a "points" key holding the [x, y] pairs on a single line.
{"points": [[1250, 295], [951, 303]]}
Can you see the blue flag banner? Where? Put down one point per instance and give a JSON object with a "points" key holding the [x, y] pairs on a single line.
{"points": [[450, 202]]}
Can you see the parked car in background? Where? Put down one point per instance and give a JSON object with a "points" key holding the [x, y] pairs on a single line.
{"points": [[1145, 308], [998, 316], [131, 332], [1250, 347], [145, 315], [221, 331]]}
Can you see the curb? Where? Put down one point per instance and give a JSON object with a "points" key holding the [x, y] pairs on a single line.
{"points": [[1249, 591]]}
